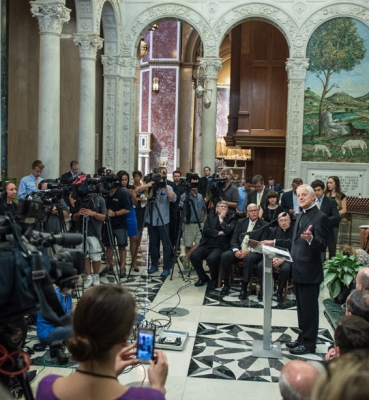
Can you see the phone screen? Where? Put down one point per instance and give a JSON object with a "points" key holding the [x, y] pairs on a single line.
{"points": [[145, 345]]}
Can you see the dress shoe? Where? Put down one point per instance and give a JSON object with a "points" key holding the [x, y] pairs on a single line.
{"points": [[225, 290], [260, 296], [293, 344], [213, 283], [165, 273], [300, 350], [202, 282], [243, 295], [280, 298], [152, 270]]}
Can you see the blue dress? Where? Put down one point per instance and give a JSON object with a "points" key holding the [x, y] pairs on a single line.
{"points": [[131, 219]]}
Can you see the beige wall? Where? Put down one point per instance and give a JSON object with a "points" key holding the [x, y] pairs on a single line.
{"points": [[23, 91]]}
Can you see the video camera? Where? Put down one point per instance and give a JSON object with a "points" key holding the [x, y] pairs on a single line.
{"points": [[186, 182], [156, 177], [216, 183]]}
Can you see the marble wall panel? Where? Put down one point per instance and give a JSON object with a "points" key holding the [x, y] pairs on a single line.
{"points": [[163, 118], [222, 111], [145, 98], [164, 43]]}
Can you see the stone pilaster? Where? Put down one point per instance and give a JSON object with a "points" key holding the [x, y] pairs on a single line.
{"points": [[296, 70], [185, 118], [51, 16], [211, 67], [88, 46]]}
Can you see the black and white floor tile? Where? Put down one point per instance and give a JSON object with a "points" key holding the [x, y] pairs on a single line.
{"points": [[213, 298], [224, 351]]}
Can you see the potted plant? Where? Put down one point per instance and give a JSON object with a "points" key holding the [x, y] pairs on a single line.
{"points": [[339, 275]]}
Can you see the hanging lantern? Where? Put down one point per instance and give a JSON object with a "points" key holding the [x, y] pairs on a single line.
{"points": [[155, 84], [144, 47]]}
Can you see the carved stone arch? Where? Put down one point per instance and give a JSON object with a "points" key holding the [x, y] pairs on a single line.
{"points": [[265, 12], [145, 19], [110, 29], [191, 46], [359, 12]]}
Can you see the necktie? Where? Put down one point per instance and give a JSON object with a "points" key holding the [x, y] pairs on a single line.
{"points": [[318, 203], [251, 226], [36, 183], [259, 199]]}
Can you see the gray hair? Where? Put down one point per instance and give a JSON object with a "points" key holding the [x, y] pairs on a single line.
{"points": [[307, 187], [228, 171], [252, 205]]}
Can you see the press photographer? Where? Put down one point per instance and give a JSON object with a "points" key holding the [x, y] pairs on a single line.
{"points": [[194, 208], [8, 196], [89, 213], [118, 205], [221, 188], [160, 195]]}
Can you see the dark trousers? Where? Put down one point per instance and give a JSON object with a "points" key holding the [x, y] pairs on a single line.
{"points": [[212, 256], [228, 258], [157, 234], [307, 295], [283, 276], [332, 244]]}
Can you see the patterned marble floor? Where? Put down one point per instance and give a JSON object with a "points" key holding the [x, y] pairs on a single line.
{"points": [[220, 334]]}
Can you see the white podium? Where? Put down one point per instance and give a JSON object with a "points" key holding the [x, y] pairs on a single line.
{"points": [[265, 348]]}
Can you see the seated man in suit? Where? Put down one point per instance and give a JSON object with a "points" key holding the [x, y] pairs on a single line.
{"points": [[70, 175], [283, 232], [289, 199], [329, 206], [258, 196], [246, 228], [216, 235]]}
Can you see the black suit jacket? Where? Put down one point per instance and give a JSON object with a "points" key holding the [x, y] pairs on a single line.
{"points": [[276, 187], [65, 177], [307, 261], [252, 197], [329, 207], [257, 233], [202, 186], [287, 201], [212, 227]]}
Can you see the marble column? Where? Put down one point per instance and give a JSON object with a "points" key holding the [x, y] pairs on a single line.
{"points": [[209, 120], [296, 70], [129, 131], [51, 16], [88, 46], [185, 118]]}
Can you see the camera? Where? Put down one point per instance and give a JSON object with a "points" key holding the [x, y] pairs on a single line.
{"points": [[57, 351]]}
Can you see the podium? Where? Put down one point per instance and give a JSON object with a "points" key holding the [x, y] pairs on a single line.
{"points": [[265, 348]]}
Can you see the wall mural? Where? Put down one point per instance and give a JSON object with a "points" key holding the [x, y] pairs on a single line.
{"points": [[336, 110]]}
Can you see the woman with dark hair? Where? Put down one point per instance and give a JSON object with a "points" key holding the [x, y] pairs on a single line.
{"points": [[270, 211], [141, 204], [333, 190], [132, 229], [102, 324], [8, 198]]}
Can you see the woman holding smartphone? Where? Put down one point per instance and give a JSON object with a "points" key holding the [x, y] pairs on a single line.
{"points": [[102, 324]]}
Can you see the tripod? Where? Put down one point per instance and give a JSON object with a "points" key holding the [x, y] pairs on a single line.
{"points": [[188, 209], [112, 243], [151, 205]]}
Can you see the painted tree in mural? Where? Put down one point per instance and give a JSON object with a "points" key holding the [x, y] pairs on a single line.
{"points": [[334, 47]]}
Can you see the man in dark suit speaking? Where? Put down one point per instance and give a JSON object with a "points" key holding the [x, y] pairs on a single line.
{"points": [[247, 228], [309, 240]]}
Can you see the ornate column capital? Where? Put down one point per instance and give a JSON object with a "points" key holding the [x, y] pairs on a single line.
{"points": [[122, 66], [51, 16], [211, 67], [296, 68], [88, 45]]}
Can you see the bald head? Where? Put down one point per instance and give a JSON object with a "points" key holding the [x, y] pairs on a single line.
{"points": [[362, 279], [297, 380]]}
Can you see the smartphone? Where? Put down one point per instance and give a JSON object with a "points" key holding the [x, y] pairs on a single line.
{"points": [[145, 345]]}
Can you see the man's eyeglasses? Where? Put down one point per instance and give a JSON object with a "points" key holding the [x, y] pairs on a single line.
{"points": [[253, 210]]}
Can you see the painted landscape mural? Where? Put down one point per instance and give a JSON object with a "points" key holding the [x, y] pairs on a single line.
{"points": [[336, 111]]}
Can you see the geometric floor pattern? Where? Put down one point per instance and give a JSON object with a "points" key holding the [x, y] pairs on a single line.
{"points": [[213, 298], [224, 351]]}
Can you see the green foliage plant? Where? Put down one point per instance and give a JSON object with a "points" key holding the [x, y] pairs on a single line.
{"points": [[340, 270]]}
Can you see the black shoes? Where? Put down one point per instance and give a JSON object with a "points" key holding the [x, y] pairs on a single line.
{"points": [[106, 271], [243, 295], [202, 282], [213, 283], [293, 344], [260, 296], [225, 290], [280, 298], [300, 350]]}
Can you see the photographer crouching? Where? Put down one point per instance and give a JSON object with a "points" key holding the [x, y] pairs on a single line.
{"points": [[93, 209], [160, 195]]}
